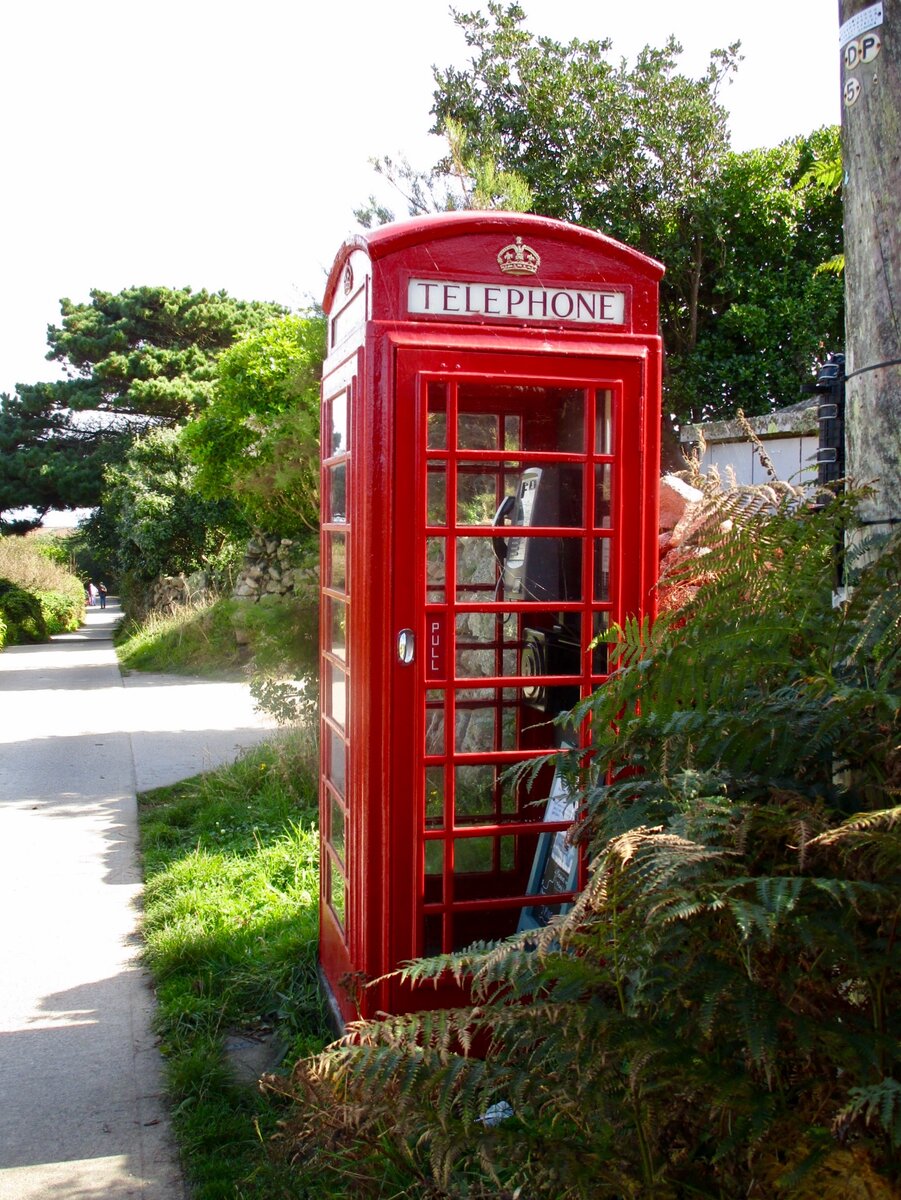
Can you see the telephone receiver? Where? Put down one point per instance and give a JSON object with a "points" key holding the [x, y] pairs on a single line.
{"points": [[516, 553], [505, 509]]}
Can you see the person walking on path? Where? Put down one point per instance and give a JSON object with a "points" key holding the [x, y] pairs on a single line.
{"points": [[101, 591]]}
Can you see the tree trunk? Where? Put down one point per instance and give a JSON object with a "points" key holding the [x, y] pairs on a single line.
{"points": [[871, 154]]}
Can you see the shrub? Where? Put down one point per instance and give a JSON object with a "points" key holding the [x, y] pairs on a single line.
{"points": [[717, 1014], [63, 611], [23, 561], [32, 565], [2, 632], [22, 614]]}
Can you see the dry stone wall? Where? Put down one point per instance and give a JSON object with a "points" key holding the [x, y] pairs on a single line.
{"points": [[268, 569]]}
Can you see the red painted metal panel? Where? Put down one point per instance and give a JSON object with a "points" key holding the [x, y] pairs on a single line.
{"points": [[432, 857]]}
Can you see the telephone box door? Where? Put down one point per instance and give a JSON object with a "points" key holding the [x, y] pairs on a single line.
{"points": [[521, 543]]}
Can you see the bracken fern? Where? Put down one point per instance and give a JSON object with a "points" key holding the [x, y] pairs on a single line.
{"points": [[717, 1015]]}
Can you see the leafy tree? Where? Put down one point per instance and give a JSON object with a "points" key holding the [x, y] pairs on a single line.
{"points": [[144, 356], [46, 459], [642, 153], [153, 521], [258, 439], [766, 313], [717, 1014], [464, 181]]}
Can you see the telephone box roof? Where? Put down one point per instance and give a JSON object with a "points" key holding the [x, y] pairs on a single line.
{"points": [[443, 227]]}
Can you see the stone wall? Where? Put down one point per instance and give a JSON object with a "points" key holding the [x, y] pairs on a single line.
{"points": [[268, 569]]}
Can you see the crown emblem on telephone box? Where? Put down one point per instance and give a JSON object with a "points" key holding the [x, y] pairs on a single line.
{"points": [[519, 259]]}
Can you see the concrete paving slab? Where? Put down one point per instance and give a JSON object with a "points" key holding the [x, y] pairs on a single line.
{"points": [[82, 1113]]}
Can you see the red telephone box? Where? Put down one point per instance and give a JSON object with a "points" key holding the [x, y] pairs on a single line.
{"points": [[490, 445]]}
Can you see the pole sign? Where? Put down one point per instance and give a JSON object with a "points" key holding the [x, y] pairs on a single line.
{"points": [[862, 22]]}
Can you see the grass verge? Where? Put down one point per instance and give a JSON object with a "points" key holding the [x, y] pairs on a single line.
{"points": [[196, 639], [231, 892]]}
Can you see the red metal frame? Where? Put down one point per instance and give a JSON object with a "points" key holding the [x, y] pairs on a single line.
{"points": [[384, 370]]}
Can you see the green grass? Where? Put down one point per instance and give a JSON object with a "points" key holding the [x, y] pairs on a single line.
{"points": [[231, 893], [197, 639]]}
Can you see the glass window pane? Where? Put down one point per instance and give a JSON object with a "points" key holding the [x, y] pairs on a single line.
{"points": [[336, 761], [477, 431], [600, 654], [436, 570], [336, 827], [436, 510], [603, 494], [436, 436], [603, 429], [337, 892], [474, 794], [481, 855], [432, 943], [337, 561], [336, 698], [549, 418], [336, 628], [487, 723], [337, 494], [434, 723], [434, 797], [486, 644], [339, 439], [478, 568], [434, 858], [480, 489], [537, 567], [602, 548], [473, 855]]}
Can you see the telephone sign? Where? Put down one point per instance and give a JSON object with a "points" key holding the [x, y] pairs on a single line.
{"points": [[490, 434]]}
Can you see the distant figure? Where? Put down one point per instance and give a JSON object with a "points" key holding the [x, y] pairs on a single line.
{"points": [[101, 588], [92, 593]]}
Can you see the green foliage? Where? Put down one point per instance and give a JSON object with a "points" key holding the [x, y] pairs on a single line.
{"points": [[463, 181], [641, 153], [47, 459], [258, 440], [766, 317], [147, 351], [197, 639], [153, 520], [63, 612], [41, 597], [22, 615], [2, 631], [231, 904], [144, 355], [717, 1014]]}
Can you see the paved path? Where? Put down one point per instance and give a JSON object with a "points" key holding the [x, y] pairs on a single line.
{"points": [[81, 1113]]}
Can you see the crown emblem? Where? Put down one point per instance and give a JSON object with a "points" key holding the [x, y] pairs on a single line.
{"points": [[519, 259]]}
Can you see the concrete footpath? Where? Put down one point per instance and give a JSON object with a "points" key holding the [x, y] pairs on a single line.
{"points": [[81, 1110]]}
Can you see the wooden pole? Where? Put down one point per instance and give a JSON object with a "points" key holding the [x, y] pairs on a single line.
{"points": [[870, 40]]}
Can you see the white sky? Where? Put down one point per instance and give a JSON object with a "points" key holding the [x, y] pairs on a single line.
{"points": [[225, 143]]}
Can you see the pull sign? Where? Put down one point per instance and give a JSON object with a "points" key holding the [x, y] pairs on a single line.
{"points": [[435, 647]]}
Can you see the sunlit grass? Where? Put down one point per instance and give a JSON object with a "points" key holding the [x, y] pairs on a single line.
{"points": [[231, 870], [196, 638]]}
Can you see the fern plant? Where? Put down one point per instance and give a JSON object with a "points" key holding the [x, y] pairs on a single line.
{"points": [[717, 1015]]}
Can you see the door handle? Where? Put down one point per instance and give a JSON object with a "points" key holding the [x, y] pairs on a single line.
{"points": [[406, 646]]}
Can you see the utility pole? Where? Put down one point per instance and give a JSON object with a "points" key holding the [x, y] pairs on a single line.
{"points": [[870, 38]]}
